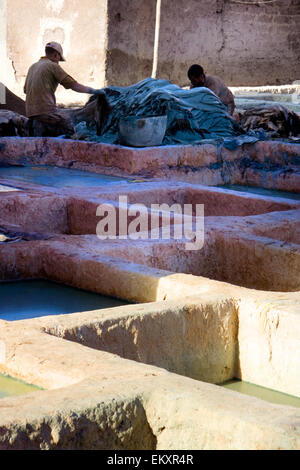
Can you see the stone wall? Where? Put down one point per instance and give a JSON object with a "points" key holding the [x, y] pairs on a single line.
{"points": [[110, 42], [131, 27], [79, 26], [246, 44]]}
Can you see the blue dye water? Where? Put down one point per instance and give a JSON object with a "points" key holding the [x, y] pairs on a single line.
{"points": [[58, 177], [21, 300], [261, 191]]}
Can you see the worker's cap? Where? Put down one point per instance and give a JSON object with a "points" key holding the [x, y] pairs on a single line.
{"points": [[57, 47]]}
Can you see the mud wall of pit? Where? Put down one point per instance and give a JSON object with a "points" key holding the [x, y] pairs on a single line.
{"points": [[267, 164], [195, 340], [246, 44]]}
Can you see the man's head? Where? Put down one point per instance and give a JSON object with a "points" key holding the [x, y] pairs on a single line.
{"points": [[54, 52], [196, 75]]}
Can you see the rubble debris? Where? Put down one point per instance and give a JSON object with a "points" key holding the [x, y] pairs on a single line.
{"points": [[7, 239], [275, 120], [11, 235], [13, 124]]}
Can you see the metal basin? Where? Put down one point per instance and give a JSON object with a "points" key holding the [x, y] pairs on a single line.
{"points": [[142, 131]]}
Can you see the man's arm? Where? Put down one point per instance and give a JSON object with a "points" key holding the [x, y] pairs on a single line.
{"points": [[231, 107], [220, 89], [68, 82], [82, 89], [228, 99], [25, 86]]}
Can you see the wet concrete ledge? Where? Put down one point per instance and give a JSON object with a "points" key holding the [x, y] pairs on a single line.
{"points": [[269, 164]]}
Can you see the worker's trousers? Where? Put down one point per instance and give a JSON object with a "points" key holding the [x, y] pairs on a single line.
{"points": [[50, 125]]}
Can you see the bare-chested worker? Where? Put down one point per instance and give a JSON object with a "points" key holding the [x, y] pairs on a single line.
{"points": [[41, 83], [198, 78]]}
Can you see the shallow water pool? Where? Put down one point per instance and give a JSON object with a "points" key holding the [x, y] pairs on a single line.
{"points": [[12, 387], [21, 300], [263, 393], [58, 177], [260, 191]]}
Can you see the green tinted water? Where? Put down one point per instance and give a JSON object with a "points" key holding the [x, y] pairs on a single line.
{"points": [[12, 387], [21, 300], [261, 191], [261, 392]]}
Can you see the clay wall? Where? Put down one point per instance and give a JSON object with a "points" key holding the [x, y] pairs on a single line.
{"points": [[246, 44], [79, 26], [111, 41]]}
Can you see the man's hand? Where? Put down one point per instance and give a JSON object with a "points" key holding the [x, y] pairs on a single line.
{"points": [[84, 89], [93, 91], [98, 92]]}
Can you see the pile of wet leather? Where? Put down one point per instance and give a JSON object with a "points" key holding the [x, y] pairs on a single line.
{"points": [[195, 116]]}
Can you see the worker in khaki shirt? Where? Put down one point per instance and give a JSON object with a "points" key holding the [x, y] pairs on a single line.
{"points": [[41, 83], [198, 78]]}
